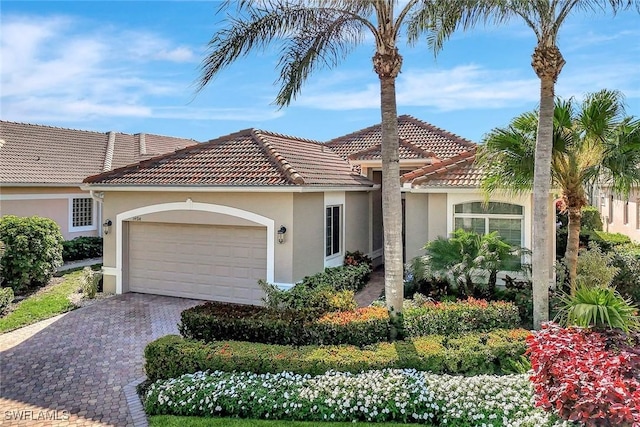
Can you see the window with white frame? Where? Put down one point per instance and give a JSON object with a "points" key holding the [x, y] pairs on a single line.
{"points": [[82, 212], [333, 229], [505, 218]]}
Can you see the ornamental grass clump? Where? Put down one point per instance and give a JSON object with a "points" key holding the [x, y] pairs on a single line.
{"points": [[406, 396]]}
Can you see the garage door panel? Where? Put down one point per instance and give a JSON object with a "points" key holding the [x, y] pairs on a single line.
{"points": [[197, 261]]}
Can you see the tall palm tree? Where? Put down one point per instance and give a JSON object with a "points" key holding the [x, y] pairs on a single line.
{"points": [[592, 142], [320, 33], [545, 18]]}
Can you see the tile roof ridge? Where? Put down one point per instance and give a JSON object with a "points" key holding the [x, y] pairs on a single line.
{"points": [[290, 172], [439, 166], [343, 138], [418, 148], [286, 136], [108, 155], [145, 163], [438, 130], [401, 141], [51, 127]]}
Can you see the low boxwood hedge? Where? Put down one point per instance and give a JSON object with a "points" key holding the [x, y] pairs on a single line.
{"points": [[214, 321], [452, 318], [82, 247], [471, 354]]}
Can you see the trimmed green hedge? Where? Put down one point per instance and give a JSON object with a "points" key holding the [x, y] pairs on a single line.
{"points": [[472, 354], [329, 290], [453, 318], [82, 248], [214, 321]]}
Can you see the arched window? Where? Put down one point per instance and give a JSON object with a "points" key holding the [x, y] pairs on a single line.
{"points": [[505, 218]]}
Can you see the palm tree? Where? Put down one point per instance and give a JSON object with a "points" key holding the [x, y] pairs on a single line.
{"points": [[545, 18], [592, 142], [320, 33]]}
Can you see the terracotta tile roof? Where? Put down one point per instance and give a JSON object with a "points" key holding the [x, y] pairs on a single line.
{"points": [[407, 150], [36, 154], [247, 158], [430, 138], [458, 171]]}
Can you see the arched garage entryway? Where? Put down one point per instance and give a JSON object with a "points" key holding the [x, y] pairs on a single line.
{"points": [[203, 261]]}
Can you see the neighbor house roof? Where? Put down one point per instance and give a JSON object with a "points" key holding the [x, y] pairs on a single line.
{"points": [[246, 158], [37, 154], [457, 171], [433, 140]]}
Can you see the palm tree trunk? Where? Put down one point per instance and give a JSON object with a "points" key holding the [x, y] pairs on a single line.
{"points": [[573, 245], [391, 197], [541, 190]]}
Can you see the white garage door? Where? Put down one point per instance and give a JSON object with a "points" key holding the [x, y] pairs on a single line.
{"points": [[218, 263]]}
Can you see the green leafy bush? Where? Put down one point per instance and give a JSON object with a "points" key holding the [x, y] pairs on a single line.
{"points": [[215, 321], [591, 220], [33, 251], [329, 290], [598, 306], [425, 317], [6, 298], [82, 248], [90, 280], [356, 258], [471, 354], [627, 261], [594, 267]]}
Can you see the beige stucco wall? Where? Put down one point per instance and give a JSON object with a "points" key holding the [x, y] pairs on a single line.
{"points": [[615, 223], [48, 202], [276, 206], [306, 235], [416, 224], [357, 222]]}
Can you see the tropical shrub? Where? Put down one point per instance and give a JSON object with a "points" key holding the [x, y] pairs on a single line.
{"points": [[595, 267], [470, 354], [600, 307], [591, 220], [420, 280], [329, 290], [214, 321], [33, 251], [356, 258], [426, 317], [82, 248], [373, 396], [580, 377], [627, 261], [473, 261], [6, 298]]}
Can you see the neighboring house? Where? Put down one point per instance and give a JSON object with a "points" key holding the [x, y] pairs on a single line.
{"points": [[621, 215], [42, 167], [209, 221]]}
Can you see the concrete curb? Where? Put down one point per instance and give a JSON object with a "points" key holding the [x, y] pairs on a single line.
{"points": [[136, 409]]}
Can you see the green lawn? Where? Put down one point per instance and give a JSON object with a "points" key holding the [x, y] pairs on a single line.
{"points": [[173, 421], [44, 304]]}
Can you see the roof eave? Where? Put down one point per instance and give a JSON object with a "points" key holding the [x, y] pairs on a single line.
{"points": [[229, 188]]}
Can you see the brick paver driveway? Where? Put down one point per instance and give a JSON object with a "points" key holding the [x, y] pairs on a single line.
{"points": [[81, 362]]}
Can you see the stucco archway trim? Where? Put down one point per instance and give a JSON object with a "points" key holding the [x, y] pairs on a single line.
{"points": [[190, 205]]}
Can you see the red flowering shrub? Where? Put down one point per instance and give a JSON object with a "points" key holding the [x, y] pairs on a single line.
{"points": [[586, 375]]}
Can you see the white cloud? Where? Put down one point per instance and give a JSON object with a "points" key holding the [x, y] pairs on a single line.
{"points": [[459, 88], [53, 70]]}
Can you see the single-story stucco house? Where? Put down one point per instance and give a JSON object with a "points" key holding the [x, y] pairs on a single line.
{"points": [[42, 167], [210, 220]]}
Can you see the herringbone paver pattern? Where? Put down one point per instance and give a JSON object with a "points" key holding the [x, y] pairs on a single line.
{"points": [[74, 370]]}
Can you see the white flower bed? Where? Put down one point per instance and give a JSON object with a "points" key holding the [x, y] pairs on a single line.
{"points": [[387, 395]]}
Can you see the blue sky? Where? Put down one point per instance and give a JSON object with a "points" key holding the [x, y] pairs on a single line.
{"points": [[131, 66]]}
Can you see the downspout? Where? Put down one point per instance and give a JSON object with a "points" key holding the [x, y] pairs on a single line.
{"points": [[98, 197]]}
